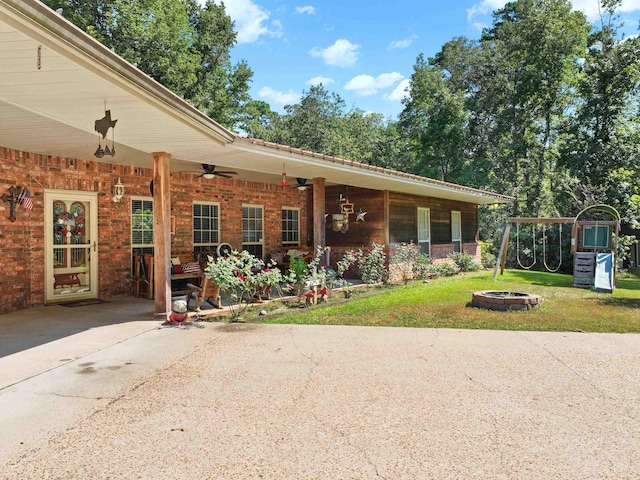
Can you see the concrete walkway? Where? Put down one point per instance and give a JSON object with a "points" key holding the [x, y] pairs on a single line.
{"points": [[222, 401]]}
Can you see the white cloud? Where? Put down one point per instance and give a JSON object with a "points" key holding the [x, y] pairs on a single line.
{"points": [[484, 7], [251, 20], [343, 53], [308, 9], [320, 80], [590, 7], [400, 92], [281, 98], [369, 85], [402, 43]]}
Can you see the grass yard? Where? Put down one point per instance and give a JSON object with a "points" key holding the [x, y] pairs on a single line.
{"points": [[445, 303]]}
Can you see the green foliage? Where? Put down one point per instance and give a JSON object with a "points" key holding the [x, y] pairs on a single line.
{"points": [[372, 264], [443, 303], [343, 265], [241, 278], [435, 119], [487, 259], [444, 269], [423, 267], [465, 262], [403, 260], [622, 248]]}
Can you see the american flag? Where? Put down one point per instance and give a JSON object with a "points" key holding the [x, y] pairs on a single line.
{"points": [[25, 200]]}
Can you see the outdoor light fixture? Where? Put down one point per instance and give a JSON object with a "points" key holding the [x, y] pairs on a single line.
{"points": [[302, 184], [284, 182], [118, 191]]}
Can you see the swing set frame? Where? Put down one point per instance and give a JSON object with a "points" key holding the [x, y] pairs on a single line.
{"points": [[577, 223]]}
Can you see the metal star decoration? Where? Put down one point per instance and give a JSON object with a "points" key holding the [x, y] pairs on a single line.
{"points": [[360, 215]]}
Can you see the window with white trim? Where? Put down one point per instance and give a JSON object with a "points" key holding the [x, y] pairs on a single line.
{"points": [[252, 229], [424, 230], [290, 226], [456, 231], [595, 236], [141, 227], [206, 226]]}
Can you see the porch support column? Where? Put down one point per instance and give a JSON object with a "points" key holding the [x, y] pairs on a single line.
{"points": [[161, 235], [319, 237]]}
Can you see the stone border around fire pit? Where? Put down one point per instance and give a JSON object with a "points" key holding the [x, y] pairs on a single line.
{"points": [[503, 301]]}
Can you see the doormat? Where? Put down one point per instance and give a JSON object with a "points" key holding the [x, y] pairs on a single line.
{"points": [[82, 303]]}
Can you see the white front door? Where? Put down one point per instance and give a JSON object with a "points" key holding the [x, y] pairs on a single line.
{"points": [[71, 235]]}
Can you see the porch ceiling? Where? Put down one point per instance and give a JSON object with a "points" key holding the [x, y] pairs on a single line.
{"points": [[55, 81], [52, 109]]}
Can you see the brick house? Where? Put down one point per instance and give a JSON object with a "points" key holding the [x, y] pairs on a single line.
{"points": [[79, 238]]}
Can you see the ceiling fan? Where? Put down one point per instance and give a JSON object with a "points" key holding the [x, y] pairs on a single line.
{"points": [[301, 184], [209, 171]]}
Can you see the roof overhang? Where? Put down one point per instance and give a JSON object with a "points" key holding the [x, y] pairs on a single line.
{"points": [[56, 81], [260, 155]]}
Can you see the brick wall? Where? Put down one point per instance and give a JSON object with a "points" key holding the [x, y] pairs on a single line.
{"points": [[22, 242]]}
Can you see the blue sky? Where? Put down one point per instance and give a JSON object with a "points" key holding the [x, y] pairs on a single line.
{"points": [[362, 50]]}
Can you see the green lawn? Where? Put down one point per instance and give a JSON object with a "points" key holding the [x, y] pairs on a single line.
{"points": [[445, 303]]}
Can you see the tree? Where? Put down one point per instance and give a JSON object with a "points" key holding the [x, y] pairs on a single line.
{"points": [[321, 123], [532, 49], [599, 147], [435, 121]]}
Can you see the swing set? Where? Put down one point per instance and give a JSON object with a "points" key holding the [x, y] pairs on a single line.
{"points": [[591, 240]]}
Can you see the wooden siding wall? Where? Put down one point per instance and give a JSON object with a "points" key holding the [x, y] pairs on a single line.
{"points": [[359, 233], [22, 241], [403, 223]]}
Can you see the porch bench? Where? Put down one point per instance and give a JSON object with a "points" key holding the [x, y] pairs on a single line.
{"points": [[144, 270], [283, 256]]}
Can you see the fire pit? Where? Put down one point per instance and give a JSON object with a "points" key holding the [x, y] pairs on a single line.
{"points": [[502, 301]]}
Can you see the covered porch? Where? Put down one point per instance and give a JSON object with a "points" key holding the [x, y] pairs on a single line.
{"points": [[58, 83]]}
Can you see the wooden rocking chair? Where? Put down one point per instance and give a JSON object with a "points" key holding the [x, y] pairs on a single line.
{"points": [[207, 292]]}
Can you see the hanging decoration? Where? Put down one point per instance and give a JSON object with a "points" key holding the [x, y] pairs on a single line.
{"points": [[12, 198], [69, 224], [284, 182], [102, 126], [340, 222]]}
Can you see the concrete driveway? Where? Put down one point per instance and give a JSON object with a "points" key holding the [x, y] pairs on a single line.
{"points": [[226, 401]]}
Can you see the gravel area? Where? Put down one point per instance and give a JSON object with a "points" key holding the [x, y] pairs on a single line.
{"points": [[317, 402]]}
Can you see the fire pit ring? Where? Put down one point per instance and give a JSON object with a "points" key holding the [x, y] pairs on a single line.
{"points": [[503, 301]]}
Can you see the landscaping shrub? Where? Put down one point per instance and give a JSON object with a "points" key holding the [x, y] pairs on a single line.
{"points": [[445, 269], [487, 259], [423, 267], [403, 259], [465, 262], [371, 265]]}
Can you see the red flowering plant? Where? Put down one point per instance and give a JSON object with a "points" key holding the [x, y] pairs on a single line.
{"points": [[235, 275]]}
